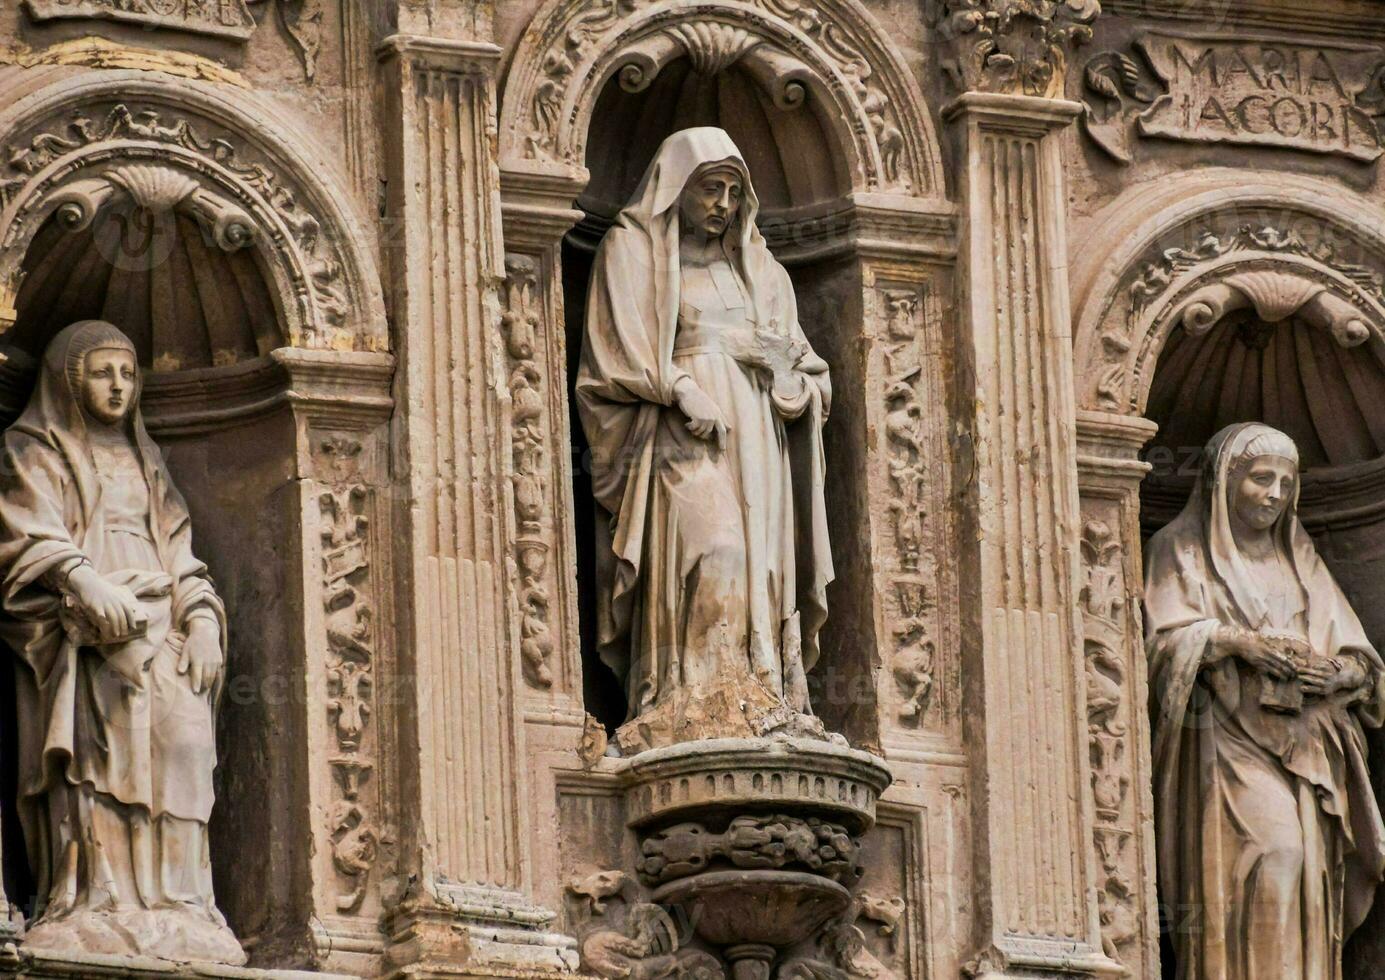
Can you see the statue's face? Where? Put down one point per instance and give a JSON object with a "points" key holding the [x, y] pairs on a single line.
{"points": [[108, 384], [710, 201], [1262, 490]]}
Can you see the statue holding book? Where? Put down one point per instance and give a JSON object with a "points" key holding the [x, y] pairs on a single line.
{"points": [[1261, 678], [120, 642]]}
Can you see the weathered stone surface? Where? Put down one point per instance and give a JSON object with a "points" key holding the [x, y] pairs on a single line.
{"points": [[353, 246]]}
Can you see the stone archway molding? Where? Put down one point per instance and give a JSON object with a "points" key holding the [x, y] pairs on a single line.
{"points": [[831, 49], [1283, 245], [86, 138]]}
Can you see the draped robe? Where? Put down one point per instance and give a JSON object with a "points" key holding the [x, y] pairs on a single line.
{"points": [[116, 751], [714, 562], [1270, 841]]}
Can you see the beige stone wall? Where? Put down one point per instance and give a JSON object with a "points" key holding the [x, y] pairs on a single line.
{"points": [[969, 280]]}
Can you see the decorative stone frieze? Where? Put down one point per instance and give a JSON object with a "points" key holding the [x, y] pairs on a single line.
{"points": [[217, 18]]}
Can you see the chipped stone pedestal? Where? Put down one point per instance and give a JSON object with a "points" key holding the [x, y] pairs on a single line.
{"points": [[753, 842]]}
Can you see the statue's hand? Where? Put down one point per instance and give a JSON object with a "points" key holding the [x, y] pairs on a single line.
{"points": [[1326, 676], [201, 658], [1273, 656], [704, 418], [112, 609]]}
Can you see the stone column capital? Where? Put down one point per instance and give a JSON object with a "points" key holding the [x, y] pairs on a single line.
{"points": [[1013, 46], [1013, 113]]}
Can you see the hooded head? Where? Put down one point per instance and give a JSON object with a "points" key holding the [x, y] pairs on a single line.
{"points": [[1235, 455], [57, 414]]}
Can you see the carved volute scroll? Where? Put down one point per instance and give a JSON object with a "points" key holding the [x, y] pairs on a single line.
{"points": [[796, 50], [107, 137]]}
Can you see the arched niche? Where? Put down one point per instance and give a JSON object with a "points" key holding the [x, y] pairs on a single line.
{"points": [[842, 151], [186, 214], [1220, 298]]}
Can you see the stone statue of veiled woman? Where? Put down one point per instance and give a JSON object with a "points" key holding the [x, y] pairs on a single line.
{"points": [[703, 405], [120, 639], [1269, 837]]}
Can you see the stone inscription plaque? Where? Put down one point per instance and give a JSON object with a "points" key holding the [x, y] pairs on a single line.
{"points": [[222, 18], [1264, 91]]}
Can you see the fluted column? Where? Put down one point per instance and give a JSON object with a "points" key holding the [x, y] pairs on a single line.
{"points": [[462, 807], [1036, 911]]}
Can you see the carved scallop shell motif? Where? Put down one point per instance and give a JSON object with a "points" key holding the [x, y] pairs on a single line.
{"points": [[154, 188], [1275, 295]]}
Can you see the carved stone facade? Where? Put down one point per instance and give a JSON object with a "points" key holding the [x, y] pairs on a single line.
{"points": [[1044, 247]]}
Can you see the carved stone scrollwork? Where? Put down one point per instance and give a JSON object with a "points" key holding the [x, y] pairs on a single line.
{"points": [[522, 325], [796, 50], [349, 607], [1275, 296], [144, 146], [1013, 46], [712, 48], [1103, 604], [913, 578], [1275, 274]]}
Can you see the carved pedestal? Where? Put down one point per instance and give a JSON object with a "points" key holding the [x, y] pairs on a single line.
{"points": [[753, 847]]}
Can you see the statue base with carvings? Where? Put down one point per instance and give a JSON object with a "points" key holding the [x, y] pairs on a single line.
{"points": [[749, 852]]}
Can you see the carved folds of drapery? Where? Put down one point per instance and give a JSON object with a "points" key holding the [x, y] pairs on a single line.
{"points": [[101, 138], [795, 49]]}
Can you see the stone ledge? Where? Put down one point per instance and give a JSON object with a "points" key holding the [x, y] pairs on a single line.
{"points": [[44, 966]]}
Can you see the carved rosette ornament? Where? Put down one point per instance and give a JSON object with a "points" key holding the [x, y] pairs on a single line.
{"points": [[188, 151], [1015, 47]]}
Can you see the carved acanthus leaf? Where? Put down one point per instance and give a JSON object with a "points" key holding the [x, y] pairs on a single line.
{"points": [[1013, 46]]}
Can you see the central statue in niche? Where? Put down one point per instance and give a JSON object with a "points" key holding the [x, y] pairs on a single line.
{"points": [[704, 404]]}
